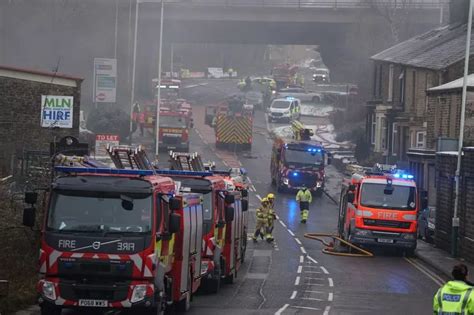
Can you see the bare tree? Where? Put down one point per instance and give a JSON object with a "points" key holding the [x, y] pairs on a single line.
{"points": [[395, 12]]}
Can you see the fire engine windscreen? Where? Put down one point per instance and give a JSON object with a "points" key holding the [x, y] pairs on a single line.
{"points": [[169, 93], [303, 157], [82, 211], [172, 121], [402, 197]]}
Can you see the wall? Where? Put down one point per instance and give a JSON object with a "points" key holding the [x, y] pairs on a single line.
{"points": [[446, 167], [20, 118], [444, 114]]}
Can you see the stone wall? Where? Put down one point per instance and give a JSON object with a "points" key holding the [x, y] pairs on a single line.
{"points": [[444, 115], [20, 119], [446, 168]]}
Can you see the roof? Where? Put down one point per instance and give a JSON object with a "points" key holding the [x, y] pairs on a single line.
{"points": [[39, 76], [454, 85], [436, 49]]}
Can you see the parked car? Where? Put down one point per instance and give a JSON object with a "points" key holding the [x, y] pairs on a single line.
{"points": [[288, 109], [427, 224], [300, 93]]}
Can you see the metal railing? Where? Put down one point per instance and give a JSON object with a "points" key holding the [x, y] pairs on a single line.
{"points": [[342, 4]]}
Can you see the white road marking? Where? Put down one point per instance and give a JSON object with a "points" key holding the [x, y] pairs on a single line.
{"points": [[258, 196], [307, 308], [326, 310], [425, 271], [310, 299], [297, 241], [277, 216], [324, 270], [301, 259], [282, 223], [291, 232], [312, 272], [312, 259], [300, 268], [331, 296], [303, 250], [281, 310], [331, 283], [310, 278], [293, 295], [297, 281]]}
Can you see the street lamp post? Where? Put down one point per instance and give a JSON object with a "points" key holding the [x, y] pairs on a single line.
{"points": [[455, 219], [158, 96], [132, 94]]}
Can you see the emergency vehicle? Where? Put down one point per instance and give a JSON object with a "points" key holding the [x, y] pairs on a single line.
{"points": [[225, 218], [118, 239], [380, 208], [298, 161], [233, 127], [174, 130], [284, 75]]}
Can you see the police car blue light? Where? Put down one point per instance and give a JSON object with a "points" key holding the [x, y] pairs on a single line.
{"points": [[290, 98], [294, 174]]}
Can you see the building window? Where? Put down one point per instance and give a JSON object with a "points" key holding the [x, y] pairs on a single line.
{"points": [[390, 83], [420, 139], [383, 136], [372, 133], [401, 82], [394, 139]]}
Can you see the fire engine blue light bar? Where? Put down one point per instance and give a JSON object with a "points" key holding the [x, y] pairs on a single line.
{"points": [[66, 169], [220, 172], [403, 176], [187, 173]]}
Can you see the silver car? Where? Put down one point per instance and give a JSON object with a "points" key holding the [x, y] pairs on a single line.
{"points": [[300, 93]]}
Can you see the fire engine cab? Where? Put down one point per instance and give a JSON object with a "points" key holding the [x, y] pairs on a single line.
{"points": [[118, 239], [379, 207]]}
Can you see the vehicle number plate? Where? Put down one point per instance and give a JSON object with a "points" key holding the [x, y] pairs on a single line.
{"points": [[385, 240], [93, 303]]}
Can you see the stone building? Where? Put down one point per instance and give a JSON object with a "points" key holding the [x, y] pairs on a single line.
{"points": [[397, 113], [21, 131]]}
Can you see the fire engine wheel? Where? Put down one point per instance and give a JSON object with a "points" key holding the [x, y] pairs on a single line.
{"points": [[48, 309], [213, 285], [230, 279]]}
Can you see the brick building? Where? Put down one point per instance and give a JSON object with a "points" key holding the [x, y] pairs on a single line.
{"points": [[445, 168], [21, 92], [396, 121]]}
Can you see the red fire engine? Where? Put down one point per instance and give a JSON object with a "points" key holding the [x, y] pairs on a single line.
{"points": [[284, 75], [380, 208], [174, 130], [118, 239], [225, 218]]}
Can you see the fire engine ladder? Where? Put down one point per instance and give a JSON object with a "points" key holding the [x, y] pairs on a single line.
{"points": [[127, 157], [181, 161], [300, 132]]}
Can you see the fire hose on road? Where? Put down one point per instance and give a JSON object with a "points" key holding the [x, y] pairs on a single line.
{"points": [[338, 249]]}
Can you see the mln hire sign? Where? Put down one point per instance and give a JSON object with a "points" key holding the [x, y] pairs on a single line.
{"points": [[56, 111]]}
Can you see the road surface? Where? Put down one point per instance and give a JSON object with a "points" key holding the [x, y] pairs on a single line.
{"points": [[293, 276]]}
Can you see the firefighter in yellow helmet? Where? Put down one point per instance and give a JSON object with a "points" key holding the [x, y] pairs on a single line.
{"points": [[271, 217], [262, 220], [304, 198]]}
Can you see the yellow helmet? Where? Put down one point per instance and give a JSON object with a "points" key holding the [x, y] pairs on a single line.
{"points": [[264, 200], [271, 196]]}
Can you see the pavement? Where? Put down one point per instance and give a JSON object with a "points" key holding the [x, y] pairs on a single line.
{"points": [[439, 259]]}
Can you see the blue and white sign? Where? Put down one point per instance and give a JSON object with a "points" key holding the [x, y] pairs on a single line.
{"points": [[105, 80], [56, 111]]}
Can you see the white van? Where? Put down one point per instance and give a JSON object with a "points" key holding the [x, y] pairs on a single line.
{"points": [[284, 109]]}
